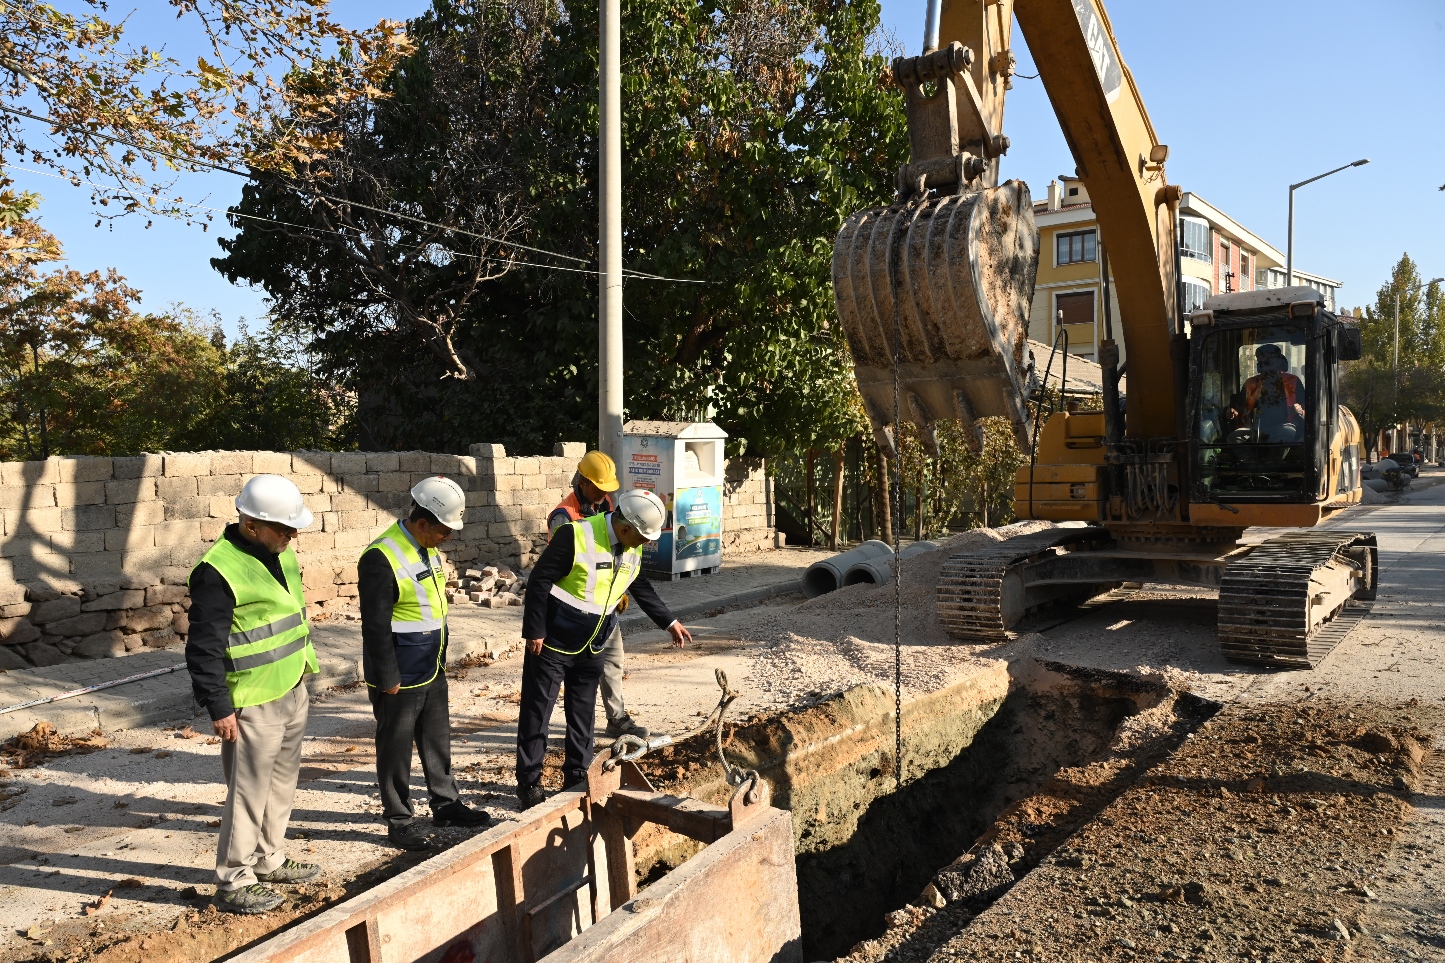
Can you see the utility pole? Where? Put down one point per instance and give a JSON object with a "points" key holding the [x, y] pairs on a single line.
{"points": [[609, 282]]}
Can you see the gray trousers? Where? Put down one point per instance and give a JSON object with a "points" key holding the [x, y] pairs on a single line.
{"points": [[611, 687], [260, 769]]}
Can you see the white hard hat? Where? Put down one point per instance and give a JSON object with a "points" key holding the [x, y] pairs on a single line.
{"points": [[644, 511], [272, 498], [442, 497]]}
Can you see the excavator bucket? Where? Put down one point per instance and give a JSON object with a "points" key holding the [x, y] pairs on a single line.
{"points": [[949, 281]]}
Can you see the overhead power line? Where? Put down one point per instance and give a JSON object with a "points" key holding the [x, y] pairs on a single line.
{"points": [[60, 125]]}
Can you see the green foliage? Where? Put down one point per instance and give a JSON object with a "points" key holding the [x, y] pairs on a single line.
{"points": [[751, 129]]}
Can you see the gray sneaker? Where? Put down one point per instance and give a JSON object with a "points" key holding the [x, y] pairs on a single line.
{"points": [[626, 726], [249, 900], [290, 872]]}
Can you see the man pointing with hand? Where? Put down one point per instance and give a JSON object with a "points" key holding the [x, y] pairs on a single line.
{"points": [[571, 610]]}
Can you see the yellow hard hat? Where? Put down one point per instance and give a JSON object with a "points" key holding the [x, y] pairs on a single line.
{"points": [[600, 470]]}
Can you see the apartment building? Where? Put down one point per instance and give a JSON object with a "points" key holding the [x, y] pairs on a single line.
{"points": [[1217, 255]]}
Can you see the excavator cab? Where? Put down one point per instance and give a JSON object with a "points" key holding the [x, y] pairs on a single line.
{"points": [[1266, 421]]}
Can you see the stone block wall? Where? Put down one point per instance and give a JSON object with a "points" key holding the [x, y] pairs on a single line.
{"points": [[95, 552]]}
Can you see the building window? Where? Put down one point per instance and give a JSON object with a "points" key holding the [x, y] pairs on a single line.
{"points": [[1243, 271], [1074, 309], [1195, 291], [1226, 276], [1076, 248], [1194, 239]]}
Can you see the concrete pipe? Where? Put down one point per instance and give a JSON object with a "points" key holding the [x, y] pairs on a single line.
{"points": [[827, 576], [879, 571]]}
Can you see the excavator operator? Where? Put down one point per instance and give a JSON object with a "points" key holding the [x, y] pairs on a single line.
{"points": [[1273, 397]]}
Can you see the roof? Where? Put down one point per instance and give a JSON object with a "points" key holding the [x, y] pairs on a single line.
{"points": [[674, 429], [1085, 376]]}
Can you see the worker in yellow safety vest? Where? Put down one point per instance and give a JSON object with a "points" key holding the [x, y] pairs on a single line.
{"points": [[595, 479], [401, 586], [248, 650], [571, 610]]}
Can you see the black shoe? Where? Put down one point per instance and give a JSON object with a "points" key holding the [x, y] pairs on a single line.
{"points": [[531, 795], [457, 814], [407, 836]]}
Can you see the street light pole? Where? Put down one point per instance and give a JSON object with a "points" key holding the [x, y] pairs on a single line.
{"points": [[609, 282], [1289, 247]]}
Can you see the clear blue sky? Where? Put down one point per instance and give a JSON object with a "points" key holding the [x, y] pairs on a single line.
{"points": [[1249, 96]]}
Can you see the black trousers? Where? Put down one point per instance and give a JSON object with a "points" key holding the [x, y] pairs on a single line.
{"points": [[541, 674], [413, 716]]}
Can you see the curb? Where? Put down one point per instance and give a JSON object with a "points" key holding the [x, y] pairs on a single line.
{"points": [[641, 621], [174, 701]]}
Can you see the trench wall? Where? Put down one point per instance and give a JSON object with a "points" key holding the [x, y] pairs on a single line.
{"points": [[95, 552]]}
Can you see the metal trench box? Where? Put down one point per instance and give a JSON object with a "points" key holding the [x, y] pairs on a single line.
{"points": [[559, 888]]}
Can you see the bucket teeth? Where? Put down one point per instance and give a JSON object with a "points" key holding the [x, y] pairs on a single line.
{"points": [[1265, 615]]}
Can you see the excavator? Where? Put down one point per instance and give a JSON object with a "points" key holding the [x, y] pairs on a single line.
{"points": [[1229, 416]]}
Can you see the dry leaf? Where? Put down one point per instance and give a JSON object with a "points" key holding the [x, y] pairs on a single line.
{"points": [[187, 733], [130, 882], [92, 908], [163, 754], [35, 933], [213, 741], [349, 749], [140, 750], [213, 823]]}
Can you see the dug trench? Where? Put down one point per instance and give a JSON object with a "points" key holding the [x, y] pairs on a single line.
{"points": [[1039, 746]]}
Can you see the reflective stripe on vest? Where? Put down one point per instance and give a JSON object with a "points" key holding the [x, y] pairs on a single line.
{"points": [[419, 616], [598, 579], [269, 646]]}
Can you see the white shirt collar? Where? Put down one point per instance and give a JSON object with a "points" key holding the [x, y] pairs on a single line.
{"points": [[611, 533]]}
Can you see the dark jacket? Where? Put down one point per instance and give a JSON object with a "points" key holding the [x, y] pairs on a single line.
{"points": [[212, 606], [377, 595], [545, 617]]}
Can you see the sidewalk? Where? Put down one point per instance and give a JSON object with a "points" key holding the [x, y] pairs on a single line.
{"points": [[476, 631]]}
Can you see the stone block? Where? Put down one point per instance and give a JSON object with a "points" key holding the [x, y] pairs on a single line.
{"points": [[86, 469], [507, 483], [559, 483], [318, 502], [349, 520], [124, 599], [165, 594], [232, 462], [534, 481], [137, 466], [144, 561], [466, 467], [54, 609], [43, 654], [380, 461], [477, 498], [86, 623], [221, 506], [348, 463], [18, 631], [80, 493], [187, 464], [141, 513], [414, 461], [394, 481], [218, 484], [526, 466], [79, 543], [315, 541], [17, 498], [487, 451], [15, 610], [183, 486], [21, 473], [352, 482], [571, 450], [128, 491], [189, 507], [12, 659], [160, 638], [309, 483], [445, 465], [322, 593], [129, 539], [501, 529], [271, 463], [181, 624], [180, 531], [148, 618], [350, 502], [102, 645], [354, 539]]}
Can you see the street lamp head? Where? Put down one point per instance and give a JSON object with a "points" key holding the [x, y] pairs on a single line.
{"points": [[1361, 162], [1434, 281]]}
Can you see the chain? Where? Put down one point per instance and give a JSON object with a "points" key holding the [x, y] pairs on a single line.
{"points": [[896, 507]]}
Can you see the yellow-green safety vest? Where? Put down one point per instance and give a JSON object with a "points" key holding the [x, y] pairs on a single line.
{"points": [[598, 578], [269, 648], [419, 618]]}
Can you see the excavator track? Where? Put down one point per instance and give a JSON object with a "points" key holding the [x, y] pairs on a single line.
{"points": [[1291, 600], [975, 600]]}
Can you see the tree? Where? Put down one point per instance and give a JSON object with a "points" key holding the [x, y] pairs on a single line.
{"points": [[751, 129], [83, 372], [121, 113]]}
